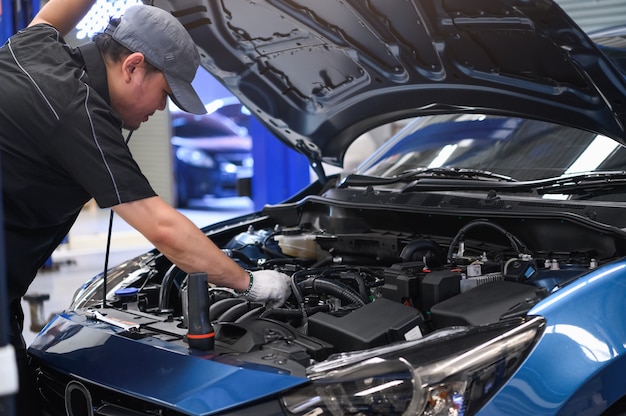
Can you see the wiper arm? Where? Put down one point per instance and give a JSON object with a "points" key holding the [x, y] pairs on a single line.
{"points": [[582, 183], [442, 179], [587, 184], [432, 173]]}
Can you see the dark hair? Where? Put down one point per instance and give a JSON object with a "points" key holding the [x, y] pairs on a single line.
{"points": [[115, 51]]}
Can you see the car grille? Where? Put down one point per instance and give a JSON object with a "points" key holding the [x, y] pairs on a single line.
{"points": [[53, 388]]}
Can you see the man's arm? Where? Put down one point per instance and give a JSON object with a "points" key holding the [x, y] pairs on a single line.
{"points": [[64, 15], [182, 242]]}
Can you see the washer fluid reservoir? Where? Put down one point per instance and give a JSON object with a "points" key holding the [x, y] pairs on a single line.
{"points": [[298, 245]]}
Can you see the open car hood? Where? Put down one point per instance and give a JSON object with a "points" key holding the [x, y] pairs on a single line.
{"points": [[318, 73]]}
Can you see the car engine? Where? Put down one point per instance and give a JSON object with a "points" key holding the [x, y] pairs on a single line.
{"points": [[365, 275]]}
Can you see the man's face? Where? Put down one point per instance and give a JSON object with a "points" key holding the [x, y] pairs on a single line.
{"points": [[143, 94]]}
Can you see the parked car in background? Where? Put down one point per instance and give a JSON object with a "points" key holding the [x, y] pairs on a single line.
{"points": [[232, 108], [211, 154], [473, 264]]}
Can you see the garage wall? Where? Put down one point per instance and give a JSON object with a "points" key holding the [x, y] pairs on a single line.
{"points": [[595, 14], [151, 148]]}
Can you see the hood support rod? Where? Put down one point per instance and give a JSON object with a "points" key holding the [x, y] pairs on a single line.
{"points": [[314, 157]]}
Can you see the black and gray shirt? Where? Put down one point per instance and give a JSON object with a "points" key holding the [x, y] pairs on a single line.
{"points": [[60, 145]]}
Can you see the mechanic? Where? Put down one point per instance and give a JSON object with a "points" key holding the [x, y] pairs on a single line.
{"points": [[62, 111]]}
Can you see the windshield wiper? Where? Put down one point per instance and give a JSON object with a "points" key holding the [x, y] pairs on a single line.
{"points": [[431, 173], [588, 183]]}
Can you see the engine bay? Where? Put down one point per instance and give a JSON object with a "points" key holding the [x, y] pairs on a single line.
{"points": [[365, 276]]}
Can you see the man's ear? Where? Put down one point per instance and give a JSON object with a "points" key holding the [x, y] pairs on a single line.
{"points": [[131, 63]]}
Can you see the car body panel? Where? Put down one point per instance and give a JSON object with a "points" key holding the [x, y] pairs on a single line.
{"points": [[152, 369], [324, 72], [586, 340]]}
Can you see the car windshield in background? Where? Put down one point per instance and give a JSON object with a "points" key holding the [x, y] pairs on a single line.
{"points": [[492, 147]]}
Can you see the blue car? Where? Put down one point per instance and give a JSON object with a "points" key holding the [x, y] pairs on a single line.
{"points": [[211, 155], [473, 264]]}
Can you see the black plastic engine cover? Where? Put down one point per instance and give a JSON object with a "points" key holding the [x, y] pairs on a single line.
{"points": [[378, 323], [482, 305]]}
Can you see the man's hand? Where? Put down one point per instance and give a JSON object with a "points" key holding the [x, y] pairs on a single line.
{"points": [[269, 286]]}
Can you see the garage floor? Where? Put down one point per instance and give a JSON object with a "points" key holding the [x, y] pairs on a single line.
{"points": [[83, 255]]}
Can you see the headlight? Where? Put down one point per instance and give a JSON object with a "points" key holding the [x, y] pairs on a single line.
{"points": [[229, 168], [374, 387], [450, 372], [194, 157]]}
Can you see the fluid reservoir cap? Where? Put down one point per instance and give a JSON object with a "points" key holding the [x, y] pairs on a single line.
{"points": [[127, 291]]}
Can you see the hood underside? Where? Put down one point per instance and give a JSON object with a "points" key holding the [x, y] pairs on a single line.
{"points": [[318, 73]]}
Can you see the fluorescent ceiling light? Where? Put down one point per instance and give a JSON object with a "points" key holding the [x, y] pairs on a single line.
{"points": [[98, 17]]}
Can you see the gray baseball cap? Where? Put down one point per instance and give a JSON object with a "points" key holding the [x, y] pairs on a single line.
{"points": [[167, 45]]}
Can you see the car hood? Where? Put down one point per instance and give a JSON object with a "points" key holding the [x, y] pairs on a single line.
{"points": [[319, 73]]}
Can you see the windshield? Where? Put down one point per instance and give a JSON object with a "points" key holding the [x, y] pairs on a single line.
{"points": [[519, 148]]}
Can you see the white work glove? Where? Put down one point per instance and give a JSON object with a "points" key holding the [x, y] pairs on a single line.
{"points": [[268, 286]]}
